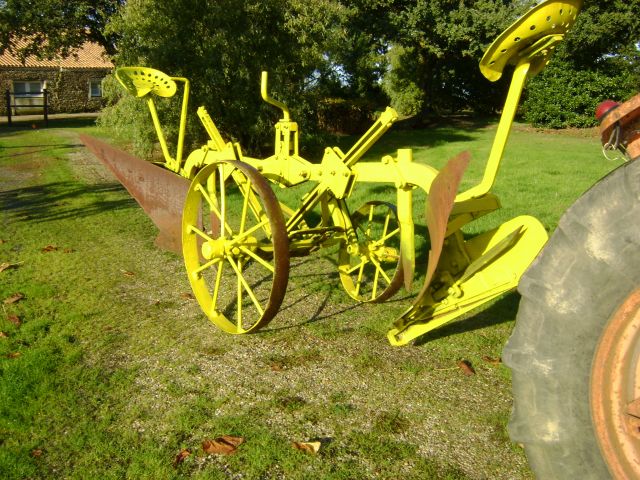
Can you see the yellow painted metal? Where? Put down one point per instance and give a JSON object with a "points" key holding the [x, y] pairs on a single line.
{"points": [[527, 44], [549, 18], [143, 81], [221, 239], [371, 271], [371, 263], [502, 134], [470, 273], [216, 139]]}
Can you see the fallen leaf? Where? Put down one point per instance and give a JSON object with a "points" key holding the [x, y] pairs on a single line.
{"points": [[277, 366], [184, 453], [128, 273], [49, 248], [6, 265], [36, 453], [16, 297], [13, 355], [491, 360], [307, 447], [68, 250], [224, 445], [3, 335], [14, 319], [187, 295], [2, 241], [466, 367]]}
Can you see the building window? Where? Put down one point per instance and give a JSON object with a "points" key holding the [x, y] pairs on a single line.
{"points": [[95, 88], [28, 97], [31, 88]]}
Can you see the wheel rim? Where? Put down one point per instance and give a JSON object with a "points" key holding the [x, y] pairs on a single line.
{"points": [[615, 390], [371, 271], [235, 246]]}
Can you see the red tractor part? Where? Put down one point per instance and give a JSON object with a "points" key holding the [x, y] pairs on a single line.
{"points": [[620, 126], [604, 108]]}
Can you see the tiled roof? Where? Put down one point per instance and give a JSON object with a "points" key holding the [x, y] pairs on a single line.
{"points": [[90, 55]]}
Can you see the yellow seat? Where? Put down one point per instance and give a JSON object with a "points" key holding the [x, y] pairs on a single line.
{"points": [[140, 81], [534, 34]]}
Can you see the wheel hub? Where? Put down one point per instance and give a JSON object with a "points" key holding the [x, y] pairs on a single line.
{"points": [[213, 249], [615, 390]]}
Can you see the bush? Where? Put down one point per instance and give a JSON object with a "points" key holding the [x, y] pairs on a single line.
{"points": [[563, 97]]}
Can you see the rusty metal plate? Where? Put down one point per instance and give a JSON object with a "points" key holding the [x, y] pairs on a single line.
{"points": [[440, 202], [160, 192]]}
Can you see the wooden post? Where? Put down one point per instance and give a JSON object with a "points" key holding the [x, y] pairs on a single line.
{"points": [[8, 97], [46, 107]]}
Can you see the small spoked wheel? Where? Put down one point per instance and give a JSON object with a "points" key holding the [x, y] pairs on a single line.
{"points": [[235, 246], [371, 269]]}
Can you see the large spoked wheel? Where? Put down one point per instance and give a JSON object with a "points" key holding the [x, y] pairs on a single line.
{"points": [[575, 350], [371, 271], [235, 246]]}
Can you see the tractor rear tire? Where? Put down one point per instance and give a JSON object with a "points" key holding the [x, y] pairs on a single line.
{"points": [[570, 296]]}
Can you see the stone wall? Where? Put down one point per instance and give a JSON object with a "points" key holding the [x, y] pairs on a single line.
{"points": [[68, 90]]}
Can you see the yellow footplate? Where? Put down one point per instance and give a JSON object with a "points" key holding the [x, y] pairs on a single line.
{"points": [[471, 273]]}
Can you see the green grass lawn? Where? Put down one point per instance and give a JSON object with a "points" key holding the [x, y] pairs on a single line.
{"points": [[109, 370]]}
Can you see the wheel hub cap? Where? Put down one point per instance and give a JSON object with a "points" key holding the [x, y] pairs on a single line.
{"points": [[615, 390]]}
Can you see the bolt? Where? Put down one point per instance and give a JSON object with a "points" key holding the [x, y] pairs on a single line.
{"points": [[455, 291], [352, 249]]}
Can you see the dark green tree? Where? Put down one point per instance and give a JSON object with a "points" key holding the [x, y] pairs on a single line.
{"points": [[49, 28], [435, 47], [222, 46], [600, 59]]}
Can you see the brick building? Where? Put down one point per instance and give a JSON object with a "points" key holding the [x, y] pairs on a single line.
{"points": [[74, 84]]}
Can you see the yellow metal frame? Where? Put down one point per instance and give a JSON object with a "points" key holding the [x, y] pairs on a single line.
{"points": [[143, 82], [466, 272]]}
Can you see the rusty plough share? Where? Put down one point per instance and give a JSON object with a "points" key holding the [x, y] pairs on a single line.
{"points": [[237, 237]]}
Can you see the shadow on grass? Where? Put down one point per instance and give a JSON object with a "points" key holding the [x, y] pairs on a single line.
{"points": [[61, 200], [410, 133], [21, 124], [501, 311], [31, 149]]}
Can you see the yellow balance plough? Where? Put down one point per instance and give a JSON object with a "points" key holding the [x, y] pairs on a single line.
{"points": [[237, 237]]}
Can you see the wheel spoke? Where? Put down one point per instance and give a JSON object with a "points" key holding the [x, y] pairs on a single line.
{"points": [[380, 270], [258, 259], [212, 205], [359, 281], [210, 263], [246, 286], [388, 236], [243, 215], [223, 204], [374, 288], [246, 234], [200, 233], [386, 225], [357, 266], [216, 288]]}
